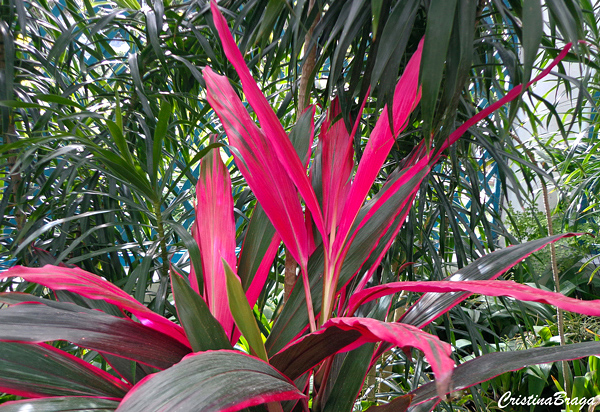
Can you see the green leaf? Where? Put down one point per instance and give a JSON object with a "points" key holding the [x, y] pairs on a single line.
{"points": [[61, 404], [159, 135], [533, 30], [119, 138], [435, 50], [42, 370], [202, 329], [52, 98], [210, 382], [242, 313]]}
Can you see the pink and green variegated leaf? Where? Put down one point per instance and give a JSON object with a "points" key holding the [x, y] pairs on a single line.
{"points": [[510, 96], [36, 323], [36, 370], [336, 161], [61, 404], [432, 305], [488, 366], [94, 287], [264, 173], [215, 232], [268, 120], [223, 381], [406, 97], [489, 288], [344, 334]]}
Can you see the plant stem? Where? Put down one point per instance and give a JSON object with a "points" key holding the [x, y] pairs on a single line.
{"points": [[161, 238], [555, 276]]}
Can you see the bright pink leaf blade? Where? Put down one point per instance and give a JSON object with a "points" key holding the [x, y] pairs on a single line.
{"points": [[406, 97], [485, 287], [261, 168], [268, 120], [344, 334], [216, 234], [94, 287]]}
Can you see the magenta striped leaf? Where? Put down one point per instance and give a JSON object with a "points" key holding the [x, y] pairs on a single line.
{"points": [[335, 159], [486, 287], [510, 96], [94, 287], [344, 334], [215, 233], [264, 173], [35, 370], [213, 381], [406, 97], [36, 323], [269, 122], [61, 404]]}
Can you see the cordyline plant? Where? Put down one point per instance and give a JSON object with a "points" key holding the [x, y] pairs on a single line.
{"points": [[323, 343]]}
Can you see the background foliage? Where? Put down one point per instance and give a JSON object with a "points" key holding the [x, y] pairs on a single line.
{"points": [[105, 118]]}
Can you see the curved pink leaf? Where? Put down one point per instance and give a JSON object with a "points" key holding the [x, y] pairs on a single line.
{"points": [[266, 177], [94, 287], [344, 334], [215, 231], [268, 120], [484, 287]]}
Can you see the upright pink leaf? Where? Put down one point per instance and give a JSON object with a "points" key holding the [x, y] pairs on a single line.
{"points": [[344, 334], [406, 96], [215, 231], [94, 287], [266, 177], [336, 161], [274, 132]]}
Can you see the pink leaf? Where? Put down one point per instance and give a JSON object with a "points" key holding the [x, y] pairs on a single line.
{"points": [[264, 173], [511, 95], [268, 120], [406, 97], [484, 287], [94, 287], [344, 334], [336, 161], [215, 231]]}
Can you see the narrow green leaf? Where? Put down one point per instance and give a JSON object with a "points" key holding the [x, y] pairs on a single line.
{"points": [[159, 135], [435, 49], [118, 115], [119, 138], [242, 313], [201, 328], [533, 31]]}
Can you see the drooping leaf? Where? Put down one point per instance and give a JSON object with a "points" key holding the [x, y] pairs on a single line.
{"points": [[203, 331], [35, 323], [61, 404], [35, 370], [215, 232], [210, 381], [343, 334], [91, 286], [487, 366], [432, 305], [242, 313]]}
